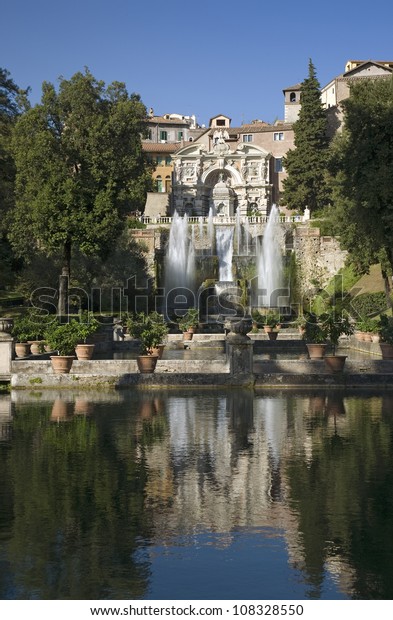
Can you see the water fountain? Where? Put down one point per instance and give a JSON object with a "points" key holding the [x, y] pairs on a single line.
{"points": [[270, 263], [180, 256]]}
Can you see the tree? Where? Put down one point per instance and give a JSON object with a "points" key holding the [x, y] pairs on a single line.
{"points": [[306, 184], [362, 168], [80, 170], [12, 99]]}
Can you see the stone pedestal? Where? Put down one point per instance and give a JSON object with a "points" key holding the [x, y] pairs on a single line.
{"points": [[240, 350], [6, 346]]}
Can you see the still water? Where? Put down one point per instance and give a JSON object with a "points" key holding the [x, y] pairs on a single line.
{"points": [[196, 495]]}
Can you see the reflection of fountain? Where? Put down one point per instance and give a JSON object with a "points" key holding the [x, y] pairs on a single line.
{"points": [[270, 263], [180, 257]]}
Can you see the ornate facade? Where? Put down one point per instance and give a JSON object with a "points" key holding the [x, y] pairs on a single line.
{"points": [[221, 179]]}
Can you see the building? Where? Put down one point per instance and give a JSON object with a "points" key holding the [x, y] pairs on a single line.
{"points": [[338, 89], [230, 168], [164, 135]]}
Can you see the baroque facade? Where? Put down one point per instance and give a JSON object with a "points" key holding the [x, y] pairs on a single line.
{"points": [[221, 178]]}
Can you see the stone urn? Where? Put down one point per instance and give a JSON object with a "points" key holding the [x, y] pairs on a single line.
{"points": [[6, 325], [239, 327]]}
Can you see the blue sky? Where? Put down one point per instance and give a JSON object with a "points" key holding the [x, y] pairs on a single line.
{"points": [[203, 58]]}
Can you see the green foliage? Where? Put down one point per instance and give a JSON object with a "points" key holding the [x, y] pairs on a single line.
{"points": [[189, 319], [12, 101], [361, 166], [335, 324], [62, 338], [150, 330], [314, 332], [32, 325], [307, 184], [368, 304], [367, 325], [86, 326], [386, 328], [80, 168]]}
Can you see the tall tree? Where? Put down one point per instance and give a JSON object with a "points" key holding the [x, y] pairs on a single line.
{"points": [[80, 169], [306, 184], [362, 165], [12, 100]]}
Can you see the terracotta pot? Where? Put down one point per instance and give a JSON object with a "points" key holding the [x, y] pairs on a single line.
{"points": [[192, 329], [386, 350], [272, 335], [22, 349], [335, 363], [84, 351], [316, 351], [367, 337], [187, 335], [375, 338], [267, 329], [61, 364], [35, 347], [146, 363]]}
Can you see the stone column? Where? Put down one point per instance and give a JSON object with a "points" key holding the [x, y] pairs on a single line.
{"points": [[6, 346]]}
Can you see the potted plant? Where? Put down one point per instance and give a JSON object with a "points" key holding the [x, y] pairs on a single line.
{"points": [[29, 332], [85, 327], [300, 322], [386, 336], [62, 338], [150, 331], [189, 322], [315, 337], [21, 332], [334, 326]]}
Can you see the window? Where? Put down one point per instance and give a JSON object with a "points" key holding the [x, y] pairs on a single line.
{"points": [[292, 97], [163, 135], [220, 122], [149, 134], [278, 135], [160, 160], [168, 161], [247, 137], [278, 167], [180, 135], [159, 184], [167, 184]]}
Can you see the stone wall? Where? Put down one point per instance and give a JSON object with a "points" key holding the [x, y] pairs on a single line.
{"points": [[318, 258]]}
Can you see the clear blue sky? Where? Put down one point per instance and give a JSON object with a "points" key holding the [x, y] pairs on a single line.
{"points": [[203, 58]]}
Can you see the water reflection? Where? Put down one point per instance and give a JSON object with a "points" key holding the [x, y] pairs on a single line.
{"points": [[112, 495]]}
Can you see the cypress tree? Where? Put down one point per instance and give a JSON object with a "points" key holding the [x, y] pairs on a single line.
{"points": [[306, 184]]}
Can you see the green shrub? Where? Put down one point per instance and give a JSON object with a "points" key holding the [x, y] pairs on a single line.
{"points": [[368, 304]]}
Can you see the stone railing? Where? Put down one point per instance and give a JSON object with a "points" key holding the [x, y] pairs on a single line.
{"points": [[219, 220]]}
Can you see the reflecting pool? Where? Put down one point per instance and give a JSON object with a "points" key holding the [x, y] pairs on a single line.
{"points": [[196, 495]]}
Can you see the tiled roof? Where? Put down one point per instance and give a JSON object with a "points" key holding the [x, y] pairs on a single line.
{"points": [[161, 120], [294, 87], [161, 147], [256, 128]]}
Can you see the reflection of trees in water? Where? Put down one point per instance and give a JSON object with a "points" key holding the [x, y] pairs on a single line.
{"points": [[77, 507], [90, 488], [343, 497]]}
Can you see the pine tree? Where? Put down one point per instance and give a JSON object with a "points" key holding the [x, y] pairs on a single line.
{"points": [[306, 184]]}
